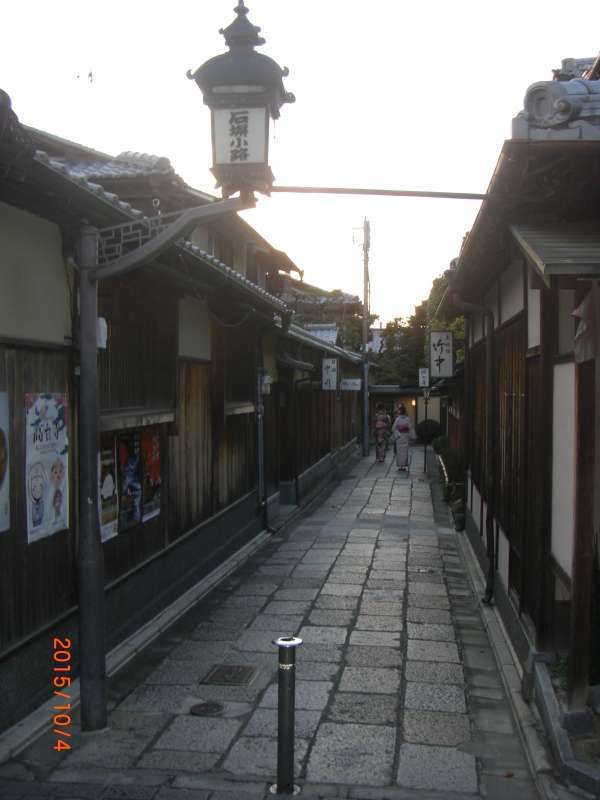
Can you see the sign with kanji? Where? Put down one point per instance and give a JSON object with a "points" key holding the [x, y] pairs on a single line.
{"points": [[351, 384], [240, 135], [329, 375], [441, 354], [423, 377]]}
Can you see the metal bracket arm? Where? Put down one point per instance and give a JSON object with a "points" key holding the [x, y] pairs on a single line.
{"points": [[170, 234]]}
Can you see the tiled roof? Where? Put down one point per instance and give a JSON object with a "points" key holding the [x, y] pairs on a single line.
{"points": [[125, 165], [72, 173]]}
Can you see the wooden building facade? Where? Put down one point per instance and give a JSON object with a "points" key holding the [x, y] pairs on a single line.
{"points": [[184, 346], [527, 281]]}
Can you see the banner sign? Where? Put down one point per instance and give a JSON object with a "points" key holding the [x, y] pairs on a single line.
{"points": [[351, 384], [4, 464], [423, 377], [46, 464], [108, 498], [441, 354], [130, 479], [329, 377], [151, 477]]}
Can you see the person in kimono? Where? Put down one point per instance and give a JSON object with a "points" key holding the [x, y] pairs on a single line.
{"points": [[402, 431], [382, 428]]}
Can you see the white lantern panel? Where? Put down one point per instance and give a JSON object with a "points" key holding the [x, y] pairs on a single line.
{"points": [[441, 354], [240, 135]]}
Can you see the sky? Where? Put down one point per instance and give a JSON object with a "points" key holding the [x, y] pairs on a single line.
{"points": [[397, 95]]}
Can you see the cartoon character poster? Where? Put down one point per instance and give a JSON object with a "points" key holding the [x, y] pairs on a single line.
{"points": [[108, 496], [4, 464], [46, 464], [151, 477], [130, 479]]}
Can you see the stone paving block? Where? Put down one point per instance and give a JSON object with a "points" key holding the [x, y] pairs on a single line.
{"points": [[330, 617], [295, 595], [264, 723], [199, 734], [336, 602], [370, 622], [431, 632], [318, 634], [432, 697], [425, 601], [382, 638], [156, 699], [320, 652], [310, 695], [283, 607], [341, 589], [214, 632], [315, 670], [432, 727], [344, 577], [259, 640], [374, 680], [349, 753], [432, 672], [248, 588], [429, 589], [430, 615], [373, 656], [283, 622], [258, 756], [382, 609], [444, 769], [418, 650], [206, 651], [178, 761], [479, 657], [383, 595]]}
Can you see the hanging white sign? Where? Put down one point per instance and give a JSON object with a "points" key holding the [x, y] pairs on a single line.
{"points": [[240, 135], [441, 354], [329, 377], [46, 464], [423, 377], [4, 464]]}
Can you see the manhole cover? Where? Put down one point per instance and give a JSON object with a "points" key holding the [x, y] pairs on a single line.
{"points": [[207, 709], [231, 675]]}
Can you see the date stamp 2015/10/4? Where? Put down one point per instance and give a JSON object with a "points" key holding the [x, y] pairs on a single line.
{"points": [[61, 683]]}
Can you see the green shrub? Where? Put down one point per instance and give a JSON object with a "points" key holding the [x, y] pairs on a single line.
{"points": [[427, 430], [441, 445]]}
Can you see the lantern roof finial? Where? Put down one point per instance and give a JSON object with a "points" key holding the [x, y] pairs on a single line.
{"points": [[241, 32]]}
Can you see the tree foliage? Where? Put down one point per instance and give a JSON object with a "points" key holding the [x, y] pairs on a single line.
{"points": [[404, 349]]}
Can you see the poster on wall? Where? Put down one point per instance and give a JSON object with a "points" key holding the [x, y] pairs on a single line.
{"points": [[4, 464], [46, 464], [151, 478], [108, 497], [130, 479]]}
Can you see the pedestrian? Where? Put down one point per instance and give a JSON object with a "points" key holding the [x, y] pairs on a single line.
{"points": [[402, 431], [381, 430]]}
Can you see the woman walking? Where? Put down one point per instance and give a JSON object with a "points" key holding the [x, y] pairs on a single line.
{"points": [[402, 432], [382, 427]]}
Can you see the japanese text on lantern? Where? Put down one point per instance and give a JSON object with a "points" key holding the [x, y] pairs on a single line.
{"points": [[238, 131], [441, 356]]}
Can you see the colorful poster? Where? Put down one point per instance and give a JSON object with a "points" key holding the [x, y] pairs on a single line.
{"points": [[4, 464], [108, 497], [130, 479], [46, 464], [151, 478]]}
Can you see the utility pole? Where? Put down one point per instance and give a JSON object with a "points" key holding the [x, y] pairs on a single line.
{"points": [[365, 335]]}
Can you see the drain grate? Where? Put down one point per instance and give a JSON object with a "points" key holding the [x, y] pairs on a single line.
{"points": [[231, 675]]}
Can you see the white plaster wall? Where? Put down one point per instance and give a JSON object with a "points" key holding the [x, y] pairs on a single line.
{"points": [[511, 291], [503, 557], [491, 301], [563, 465], [533, 314], [34, 294], [433, 409], [194, 329], [476, 510], [477, 328], [239, 257]]}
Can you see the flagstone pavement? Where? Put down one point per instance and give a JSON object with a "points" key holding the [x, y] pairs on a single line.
{"points": [[397, 690]]}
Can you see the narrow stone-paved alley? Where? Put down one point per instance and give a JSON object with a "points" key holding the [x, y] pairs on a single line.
{"points": [[398, 691]]}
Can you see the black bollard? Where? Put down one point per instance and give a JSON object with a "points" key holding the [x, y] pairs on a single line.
{"points": [[286, 714]]}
